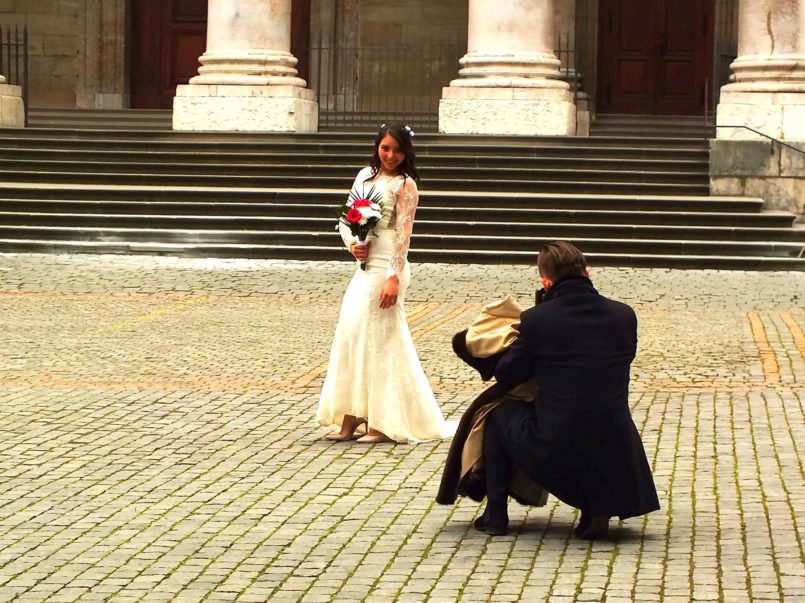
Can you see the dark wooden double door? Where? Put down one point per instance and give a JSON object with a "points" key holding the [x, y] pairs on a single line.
{"points": [[168, 37], [655, 56]]}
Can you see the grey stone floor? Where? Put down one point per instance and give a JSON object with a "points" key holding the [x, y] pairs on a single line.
{"points": [[157, 442]]}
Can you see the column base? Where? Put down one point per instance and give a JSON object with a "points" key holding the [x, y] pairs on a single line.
{"points": [[507, 111], [201, 107], [12, 110], [780, 115]]}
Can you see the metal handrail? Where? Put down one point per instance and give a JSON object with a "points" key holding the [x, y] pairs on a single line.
{"points": [[759, 133]]}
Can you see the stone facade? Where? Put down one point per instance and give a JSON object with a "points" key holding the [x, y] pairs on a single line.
{"points": [[54, 44]]}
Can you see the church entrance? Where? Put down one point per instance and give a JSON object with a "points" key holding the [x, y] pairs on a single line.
{"points": [[655, 56], [168, 37]]}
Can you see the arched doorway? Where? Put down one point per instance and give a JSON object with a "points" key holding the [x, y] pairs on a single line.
{"points": [[655, 56], [168, 37]]}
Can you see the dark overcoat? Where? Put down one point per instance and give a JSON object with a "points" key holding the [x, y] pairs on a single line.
{"points": [[473, 485], [578, 439]]}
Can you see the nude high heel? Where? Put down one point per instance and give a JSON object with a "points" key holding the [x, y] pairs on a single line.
{"points": [[374, 438], [339, 437]]}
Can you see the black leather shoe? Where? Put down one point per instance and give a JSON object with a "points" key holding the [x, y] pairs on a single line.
{"points": [[494, 524], [581, 527], [598, 527]]}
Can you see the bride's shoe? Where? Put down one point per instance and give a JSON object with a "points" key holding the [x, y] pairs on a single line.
{"points": [[341, 437], [374, 438]]}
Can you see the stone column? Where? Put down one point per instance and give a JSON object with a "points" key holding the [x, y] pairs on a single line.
{"points": [[509, 79], [767, 93], [103, 73], [12, 111], [247, 79], [768, 88]]}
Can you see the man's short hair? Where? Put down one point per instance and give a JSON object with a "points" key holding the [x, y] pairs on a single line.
{"points": [[559, 260]]}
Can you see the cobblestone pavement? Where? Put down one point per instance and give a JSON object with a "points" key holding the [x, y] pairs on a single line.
{"points": [[157, 442]]}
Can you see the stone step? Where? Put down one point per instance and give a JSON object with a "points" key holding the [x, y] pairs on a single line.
{"points": [[256, 201], [422, 240], [304, 181], [770, 219], [334, 140], [697, 165], [322, 172], [288, 225], [652, 126], [422, 255]]}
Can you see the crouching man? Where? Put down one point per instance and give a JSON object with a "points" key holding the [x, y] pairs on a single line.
{"points": [[577, 439]]}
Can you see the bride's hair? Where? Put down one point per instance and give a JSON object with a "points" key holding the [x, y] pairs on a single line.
{"points": [[402, 134]]}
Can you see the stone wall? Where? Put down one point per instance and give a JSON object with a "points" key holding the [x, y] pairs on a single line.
{"points": [[760, 168], [414, 20], [53, 36]]}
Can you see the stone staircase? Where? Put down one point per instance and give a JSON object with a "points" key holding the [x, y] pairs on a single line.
{"points": [[625, 200]]}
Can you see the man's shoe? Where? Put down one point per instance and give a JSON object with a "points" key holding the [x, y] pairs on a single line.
{"points": [[494, 524], [598, 527], [581, 527]]}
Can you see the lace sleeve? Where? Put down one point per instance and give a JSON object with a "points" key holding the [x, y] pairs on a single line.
{"points": [[407, 200]]}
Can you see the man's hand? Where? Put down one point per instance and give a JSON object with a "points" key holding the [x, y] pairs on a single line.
{"points": [[391, 288], [361, 252]]}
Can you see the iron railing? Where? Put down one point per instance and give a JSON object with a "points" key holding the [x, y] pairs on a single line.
{"points": [[772, 140], [361, 87], [14, 60]]}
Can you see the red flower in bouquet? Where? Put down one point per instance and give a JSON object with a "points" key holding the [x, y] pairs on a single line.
{"points": [[360, 213]]}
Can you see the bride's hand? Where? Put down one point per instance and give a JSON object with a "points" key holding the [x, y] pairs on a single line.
{"points": [[361, 252], [391, 288]]}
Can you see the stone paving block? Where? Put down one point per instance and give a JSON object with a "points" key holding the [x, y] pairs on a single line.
{"points": [[157, 441]]}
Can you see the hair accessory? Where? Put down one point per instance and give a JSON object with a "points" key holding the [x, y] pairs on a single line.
{"points": [[410, 131], [382, 126]]}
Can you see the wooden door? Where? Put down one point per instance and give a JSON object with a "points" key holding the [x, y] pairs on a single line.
{"points": [[167, 38], [654, 56]]}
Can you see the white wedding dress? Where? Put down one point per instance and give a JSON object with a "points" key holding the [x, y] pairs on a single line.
{"points": [[374, 371]]}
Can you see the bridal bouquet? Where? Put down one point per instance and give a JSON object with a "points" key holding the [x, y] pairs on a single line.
{"points": [[360, 212]]}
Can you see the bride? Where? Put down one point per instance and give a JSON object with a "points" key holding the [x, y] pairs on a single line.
{"points": [[374, 377]]}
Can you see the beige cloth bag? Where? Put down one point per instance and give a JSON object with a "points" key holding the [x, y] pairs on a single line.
{"points": [[495, 328]]}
